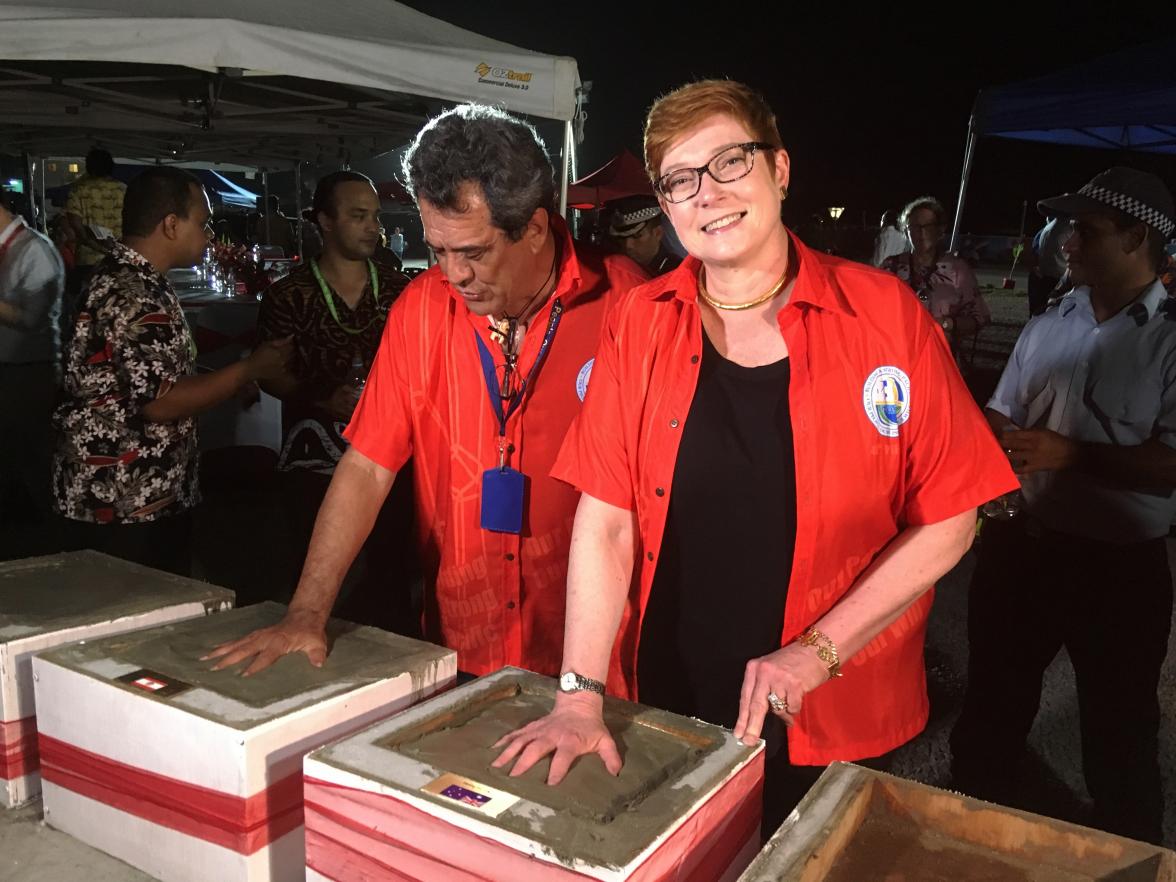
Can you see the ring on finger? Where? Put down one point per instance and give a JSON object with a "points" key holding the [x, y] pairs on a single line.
{"points": [[778, 705]]}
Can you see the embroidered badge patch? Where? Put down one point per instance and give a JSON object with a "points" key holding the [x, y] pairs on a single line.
{"points": [[583, 377], [886, 397]]}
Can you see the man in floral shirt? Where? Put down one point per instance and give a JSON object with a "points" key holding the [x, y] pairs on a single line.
{"points": [[125, 467]]}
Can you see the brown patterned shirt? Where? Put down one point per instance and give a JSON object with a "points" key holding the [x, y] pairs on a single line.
{"points": [[324, 352], [130, 347]]}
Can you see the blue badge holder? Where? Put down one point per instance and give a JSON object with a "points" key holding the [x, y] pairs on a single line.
{"points": [[503, 490]]}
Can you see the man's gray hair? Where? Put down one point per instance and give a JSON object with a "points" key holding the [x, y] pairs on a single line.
{"points": [[482, 145]]}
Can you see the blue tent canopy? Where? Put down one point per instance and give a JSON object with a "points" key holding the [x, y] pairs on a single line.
{"points": [[222, 190], [1123, 101], [229, 193]]}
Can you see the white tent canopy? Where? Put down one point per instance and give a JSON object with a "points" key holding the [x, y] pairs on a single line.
{"points": [[255, 82]]}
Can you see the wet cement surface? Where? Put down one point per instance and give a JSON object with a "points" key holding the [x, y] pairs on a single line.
{"points": [[358, 656], [591, 816], [589, 792], [46, 594]]}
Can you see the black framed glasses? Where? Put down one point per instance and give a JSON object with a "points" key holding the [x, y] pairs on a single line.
{"points": [[729, 164]]}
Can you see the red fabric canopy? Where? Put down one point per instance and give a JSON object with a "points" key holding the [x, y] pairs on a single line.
{"points": [[623, 175]]}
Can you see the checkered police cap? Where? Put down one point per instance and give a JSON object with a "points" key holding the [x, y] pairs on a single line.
{"points": [[1141, 195], [630, 214]]}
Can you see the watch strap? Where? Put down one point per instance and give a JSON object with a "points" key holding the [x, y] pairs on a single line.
{"points": [[580, 683]]}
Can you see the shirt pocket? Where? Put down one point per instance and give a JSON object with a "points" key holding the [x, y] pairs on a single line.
{"points": [[1127, 410], [1035, 403]]}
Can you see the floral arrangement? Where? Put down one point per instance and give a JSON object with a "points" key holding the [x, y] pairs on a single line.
{"points": [[238, 263]]}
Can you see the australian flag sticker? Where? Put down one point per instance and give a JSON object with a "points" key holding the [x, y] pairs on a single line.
{"points": [[154, 683]]}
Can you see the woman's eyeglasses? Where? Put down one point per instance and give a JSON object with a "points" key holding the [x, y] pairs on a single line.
{"points": [[729, 164]]}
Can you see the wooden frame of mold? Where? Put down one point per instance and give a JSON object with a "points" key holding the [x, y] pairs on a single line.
{"points": [[823, 830]]}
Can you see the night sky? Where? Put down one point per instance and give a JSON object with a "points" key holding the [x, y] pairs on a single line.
{"points": [[873, 102]]}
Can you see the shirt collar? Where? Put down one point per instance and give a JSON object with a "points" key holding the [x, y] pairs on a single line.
{"points": [[570, 275], [127, 254], [1153, 298], [1142, 310], [17, 221], [812, 284]]}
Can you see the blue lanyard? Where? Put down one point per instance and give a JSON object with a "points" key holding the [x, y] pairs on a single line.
{"points": [[490, 371]]}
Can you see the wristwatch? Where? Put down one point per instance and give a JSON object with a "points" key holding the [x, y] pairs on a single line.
{"points": [[573, 682]]}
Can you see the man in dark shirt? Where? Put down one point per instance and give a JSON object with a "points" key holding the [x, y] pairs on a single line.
{"points": [[335, 307], [275, 229], [125, 468]]}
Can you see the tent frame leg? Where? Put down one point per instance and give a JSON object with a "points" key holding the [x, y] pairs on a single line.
{"points": [[30, 188], [298, 205], [265, 206], [41, 192], [569, 145], [966, 174]]}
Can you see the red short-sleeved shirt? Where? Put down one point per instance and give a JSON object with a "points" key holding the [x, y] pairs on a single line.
{"points": [[497, 598], [886, 435]]}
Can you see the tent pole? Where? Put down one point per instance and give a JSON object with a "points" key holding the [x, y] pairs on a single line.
{"points": [[265, 206], [573, 152], [30, 168], [969, 152], [298, 205], [565, 168], [44, 204]]}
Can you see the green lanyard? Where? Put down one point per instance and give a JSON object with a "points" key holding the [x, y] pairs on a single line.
{"points": [[330, 298]]}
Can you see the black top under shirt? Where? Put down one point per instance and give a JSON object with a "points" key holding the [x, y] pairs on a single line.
{"points": [[718, 594]]}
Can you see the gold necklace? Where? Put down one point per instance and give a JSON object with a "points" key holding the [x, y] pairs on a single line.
{"points": [[734, 307]]}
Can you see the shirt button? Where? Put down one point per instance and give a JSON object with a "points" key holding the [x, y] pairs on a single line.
{"points": [[649, 554], [660, 491], [510, 604], [509, 556], [694, 359], [673, 424]]}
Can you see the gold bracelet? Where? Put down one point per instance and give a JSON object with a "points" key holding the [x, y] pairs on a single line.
{"points": [[826, 649]]}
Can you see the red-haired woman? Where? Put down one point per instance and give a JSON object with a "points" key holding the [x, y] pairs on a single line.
{"points": [[781, 441]]}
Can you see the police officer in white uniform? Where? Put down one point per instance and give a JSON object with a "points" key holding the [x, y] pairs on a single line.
{"points": [[1086, 410]]}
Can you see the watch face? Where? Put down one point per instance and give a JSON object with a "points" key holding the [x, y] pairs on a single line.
{"points": [[567, 682]]}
